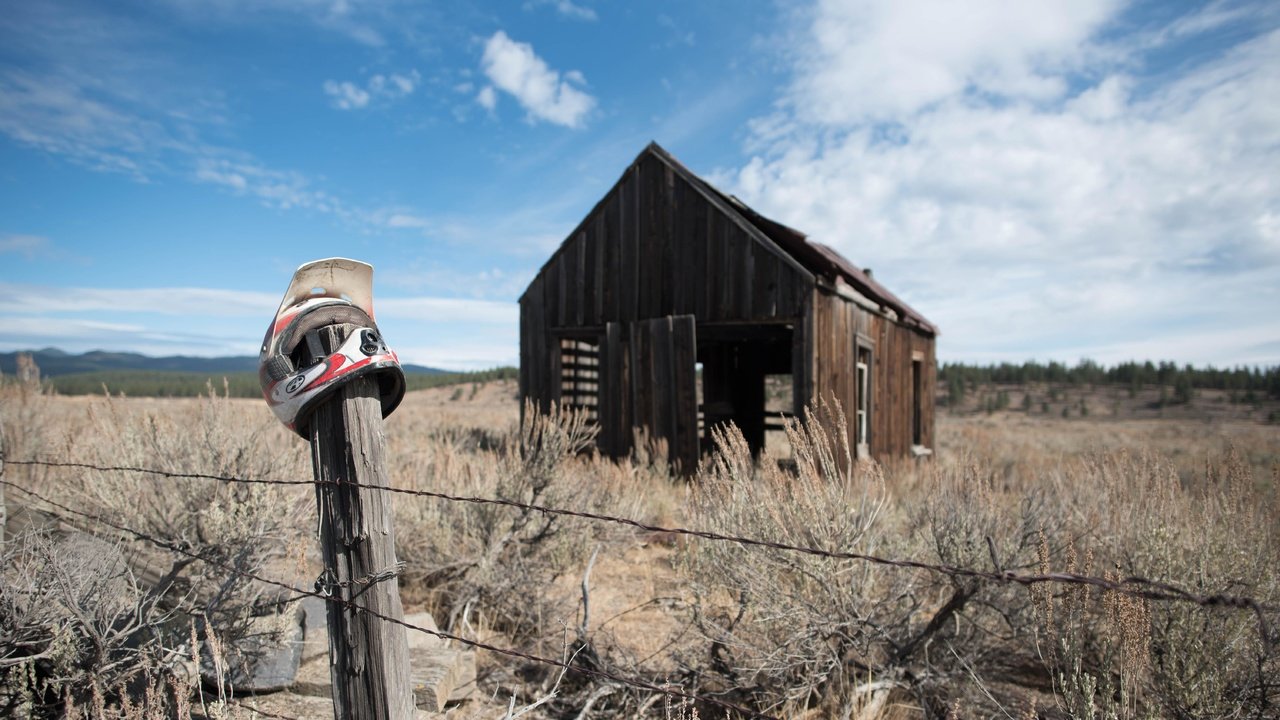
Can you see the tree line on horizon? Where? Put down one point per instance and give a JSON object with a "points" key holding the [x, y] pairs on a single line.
{"points": [[1245, 384], [1248, 382], [1088, 372]]}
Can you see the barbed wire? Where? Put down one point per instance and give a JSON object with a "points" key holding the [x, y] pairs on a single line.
{"points": [[1133, 585], [509, 652]]}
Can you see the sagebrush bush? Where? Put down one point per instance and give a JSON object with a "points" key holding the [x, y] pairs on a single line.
{"points": [[240, 528], [497, 561], [797, 633], [1215, 536]]}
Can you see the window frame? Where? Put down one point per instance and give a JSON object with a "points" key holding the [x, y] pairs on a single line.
{"points": [[864, 393]]}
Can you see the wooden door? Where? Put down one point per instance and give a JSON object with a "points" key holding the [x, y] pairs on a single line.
{"points": [[615, 393], [663, 371]]}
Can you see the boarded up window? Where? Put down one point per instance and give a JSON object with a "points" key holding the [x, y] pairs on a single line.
{"points": [[580, 376]]}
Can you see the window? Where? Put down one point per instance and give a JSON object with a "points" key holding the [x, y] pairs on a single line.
{"points": [[862, 415]]}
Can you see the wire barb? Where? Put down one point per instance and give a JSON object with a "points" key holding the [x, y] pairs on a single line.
{"points": [[326, 583]]}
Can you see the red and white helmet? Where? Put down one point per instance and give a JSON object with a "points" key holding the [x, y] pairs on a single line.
{"points": [[297, 373]]}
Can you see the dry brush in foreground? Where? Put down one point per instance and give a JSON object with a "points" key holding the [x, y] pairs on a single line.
{"points": [[788, 634]]}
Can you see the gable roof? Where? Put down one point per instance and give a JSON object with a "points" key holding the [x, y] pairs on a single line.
{"points": [[819, 259]]}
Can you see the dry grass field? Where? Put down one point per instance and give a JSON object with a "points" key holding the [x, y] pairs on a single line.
{"points": [[1188, 498]]}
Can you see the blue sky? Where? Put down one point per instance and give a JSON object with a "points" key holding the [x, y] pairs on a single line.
{"points": [[1050, 180]]}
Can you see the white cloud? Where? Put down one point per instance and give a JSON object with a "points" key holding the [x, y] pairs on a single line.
{"points": [[347, 95], [1024, 186], [514, 68], [487, 98], [887, 58]]}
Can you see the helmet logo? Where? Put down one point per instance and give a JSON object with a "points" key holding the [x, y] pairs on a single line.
{"points": [[295, 384], [371, 343]]}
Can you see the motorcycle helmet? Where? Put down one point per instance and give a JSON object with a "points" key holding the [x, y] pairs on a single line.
{"points": [[296, 368]]}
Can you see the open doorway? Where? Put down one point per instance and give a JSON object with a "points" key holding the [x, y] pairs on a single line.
{"points": [[743, 370]]}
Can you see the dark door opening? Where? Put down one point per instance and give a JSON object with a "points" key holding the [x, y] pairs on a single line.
{"points": [[736, 362], [917, 398]]}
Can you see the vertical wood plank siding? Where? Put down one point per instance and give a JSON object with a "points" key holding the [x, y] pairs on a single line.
{"points": [[657, 246]]}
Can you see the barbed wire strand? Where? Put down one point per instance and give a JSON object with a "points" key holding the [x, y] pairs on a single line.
{"points": [[1133, 585], [510, 652]]}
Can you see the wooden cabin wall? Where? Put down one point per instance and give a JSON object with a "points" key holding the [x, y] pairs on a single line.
{"points": [[833, 326], [535, 356], [892, 391], [927, 346], [655, 246], [836, 325]]}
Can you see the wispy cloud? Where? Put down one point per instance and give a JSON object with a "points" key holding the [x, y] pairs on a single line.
{"points": [[96, 92], [1039, 161], [565, 8], [275, 188], [492, 284], [23, 299], [349, 96], [359, 21], [37, 247], [676, 35], [28, 246], [82, 335], [483, 312], [516, 69]]}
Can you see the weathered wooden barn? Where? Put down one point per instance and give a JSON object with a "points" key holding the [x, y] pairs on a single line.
{"points": [[672, 302]]}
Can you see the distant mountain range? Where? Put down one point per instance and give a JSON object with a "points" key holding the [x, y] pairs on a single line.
{"points": [[54, 362]]}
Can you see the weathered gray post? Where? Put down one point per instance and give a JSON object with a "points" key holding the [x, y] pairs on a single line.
{"points": [[4, 516], [369, 657]]}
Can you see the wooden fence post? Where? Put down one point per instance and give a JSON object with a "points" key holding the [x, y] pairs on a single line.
{"points": [[369, 657], [4, 515]]}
